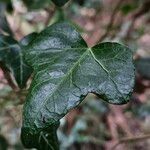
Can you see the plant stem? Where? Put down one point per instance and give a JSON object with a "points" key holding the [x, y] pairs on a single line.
{"points": [[111, 22], [8, 77], [131, 139]]}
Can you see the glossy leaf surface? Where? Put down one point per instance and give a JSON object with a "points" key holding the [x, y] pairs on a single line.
{"points": [[65, 71], [11, 58]]}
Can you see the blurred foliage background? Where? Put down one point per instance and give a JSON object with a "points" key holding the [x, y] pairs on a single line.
{"points": [[94, 125]]}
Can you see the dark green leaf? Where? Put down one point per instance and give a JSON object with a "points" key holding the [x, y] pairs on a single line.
{"points": [[65, 71], [142, 67], [3, 143], [4, 26], [36, 4], [28, 39], [11, 58], [60, 3], [45, 139]]}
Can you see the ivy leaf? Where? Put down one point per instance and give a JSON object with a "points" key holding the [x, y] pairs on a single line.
{"points": [[4, 26], [46, 139], [11, 58], [60, 3], [65, 71], [141, 66]]}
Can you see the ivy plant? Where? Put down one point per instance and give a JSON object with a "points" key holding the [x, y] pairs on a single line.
{"points": [[11, 60], [64, 71]]}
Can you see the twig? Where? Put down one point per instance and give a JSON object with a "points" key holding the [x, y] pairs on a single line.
{"points": [[112, 126], [111, 22], [50, 12], [128, 24], [120, 120], [143, 9], [140, 12], [131, 139], [8, 77], [95, 140]]}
